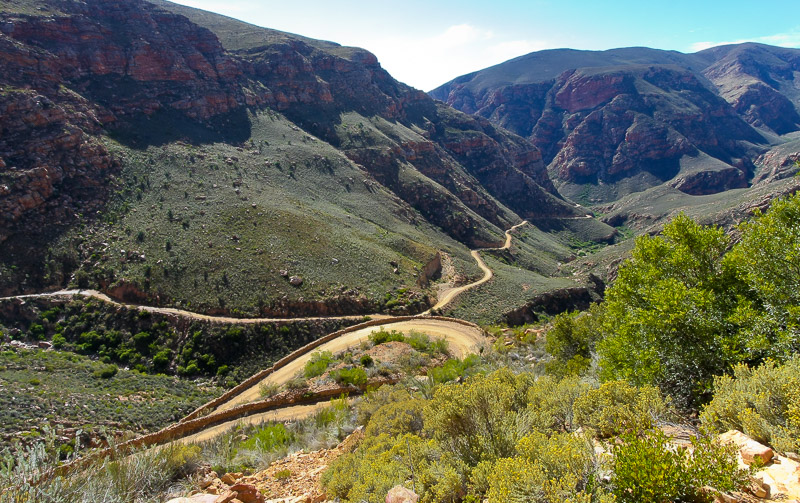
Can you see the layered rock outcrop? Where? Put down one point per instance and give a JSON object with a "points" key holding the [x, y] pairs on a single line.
{"points": [[634, 118], [104, 66]]}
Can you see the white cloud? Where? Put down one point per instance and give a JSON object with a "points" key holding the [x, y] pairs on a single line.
{"points": [[459, 35], [427, 62], [234, 8], [790, 39]]}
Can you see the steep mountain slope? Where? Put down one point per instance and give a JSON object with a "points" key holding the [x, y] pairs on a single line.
{"points": [[200, 161], [615, 122]]}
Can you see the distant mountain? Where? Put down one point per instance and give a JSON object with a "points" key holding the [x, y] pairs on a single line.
{"points": [[173, 156], [611, 123]]}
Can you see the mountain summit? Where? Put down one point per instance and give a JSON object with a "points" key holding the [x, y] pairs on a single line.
{"points": [[614, 122], [171, 156]]}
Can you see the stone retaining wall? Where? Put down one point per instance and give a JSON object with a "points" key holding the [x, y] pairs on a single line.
{"points": [[192, 424], [260, 376]]}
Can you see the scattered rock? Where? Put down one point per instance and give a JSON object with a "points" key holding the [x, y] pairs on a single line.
{"points": [[247, 493], [758, 488], [231, 478], [284, 273], [296, 281], [748, 448], [400, 494], [197, 498], [226, 497]]}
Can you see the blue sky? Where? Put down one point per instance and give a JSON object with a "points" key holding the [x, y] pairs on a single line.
{"points": [[427, 43]]}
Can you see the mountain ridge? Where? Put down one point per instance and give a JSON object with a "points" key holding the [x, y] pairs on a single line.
{"points": [[302, 139], [709, 114]]}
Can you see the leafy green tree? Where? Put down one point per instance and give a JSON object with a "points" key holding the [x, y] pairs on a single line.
{"points": [[768, 260], [571, 341], [668, 317]]}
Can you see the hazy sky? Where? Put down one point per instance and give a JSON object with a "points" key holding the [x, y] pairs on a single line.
{"points": [[427, 43]]}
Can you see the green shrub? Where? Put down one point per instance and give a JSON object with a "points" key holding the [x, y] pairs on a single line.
{"points": [[296, 383], [423, 343], [266, 390], [161, 359], [617, 407], [318, 364], [763, 402], [378, 464], [366, 361], [59, 341], [476, 420], [550, 403], [648, 469], [106, 372], [283, 474], [397, 418], [560, 455], [521, 480], [268, 438], [571, 341], [374, 399], [453, 368], [36, 331], [667, 315], [352, 376], [382, 336]]}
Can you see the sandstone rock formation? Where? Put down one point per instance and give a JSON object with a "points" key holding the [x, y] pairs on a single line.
{"points": [[620, 121]]}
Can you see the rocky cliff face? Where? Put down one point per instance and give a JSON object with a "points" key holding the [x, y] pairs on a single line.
{"points": [[685, 120], [103, 101], [64, 79], [105, 64], [760, 82]]}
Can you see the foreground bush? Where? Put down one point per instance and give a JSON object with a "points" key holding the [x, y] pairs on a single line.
{"points": [[145, 476], [617, 407], [571, 340], [317, 364], [647, 469], [355, 376], [763, 402]]}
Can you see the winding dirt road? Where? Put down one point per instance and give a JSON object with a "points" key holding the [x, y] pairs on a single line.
{"points": [[94, 294], [450, 294], [462, 338]]}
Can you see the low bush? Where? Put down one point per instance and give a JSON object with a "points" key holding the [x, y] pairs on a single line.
{"points": [[550, 403], [366, 361], [383, 336], [763, 402], [397, 418], [318, 364], [268, 438], [617, 407], [648, 469], [571, 341], [425, 344], [146, 476], [266, 390], [352, 376], [453, 369], [106, 372]]}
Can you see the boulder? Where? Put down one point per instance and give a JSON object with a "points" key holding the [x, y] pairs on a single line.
{"points": [[400, 494], [231, 478], [748, 448], [197, 498], [296, 281], [247, 493]]}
